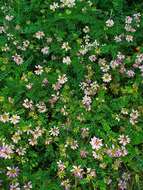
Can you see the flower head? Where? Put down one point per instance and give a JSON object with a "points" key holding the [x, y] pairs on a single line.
{"points": [[96, 143]]}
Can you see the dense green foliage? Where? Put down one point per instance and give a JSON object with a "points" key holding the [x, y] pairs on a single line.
{"points": [[71, 87]]}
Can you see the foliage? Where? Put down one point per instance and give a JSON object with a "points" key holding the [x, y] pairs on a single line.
{"points": [[71, 95]]}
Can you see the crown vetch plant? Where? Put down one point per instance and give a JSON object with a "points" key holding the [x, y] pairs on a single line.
{"points": [[71, 87]]}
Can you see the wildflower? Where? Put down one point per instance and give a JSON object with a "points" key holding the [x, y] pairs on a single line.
{"points": [[77, 171], [54, 131], [66, 46], [92, 58], [118, 38], [84, 132], [28, 103], [12, 172], [54, 6], [74, 145], [9, 17], [104, 67], [86, 29], [96, 143], [14, 186], [2, 29], [17, 59], [61, 165], [66, 184], [83, 153], [45, 82], [91, 173], [39, 35], [4, 117], [122, 185], [6, 151], [27, 186], [129, 38], [126, 176], [124, 111], [37, 132], [21, 151], [124, 139], [26, 43], [15, 119], [29, 86], [87, 102], [107, 77], [109, 23], [68, 3], [96, 156], [62, 79], [130, 73], [45, 50], [39, 70], [67, 60], [32, 141], [128, 20], [134, 116], [41, 107], [48, 141], [16, 137]]}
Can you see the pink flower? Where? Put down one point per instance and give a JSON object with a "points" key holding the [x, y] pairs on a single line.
{"points": [[77, 171], [96, 143], [17, 59], [12, 172]]}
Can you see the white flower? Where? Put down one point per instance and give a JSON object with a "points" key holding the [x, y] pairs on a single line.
{"points": [[39, 35], [68, 3], [66, 46], [106, 77], [15, 119], [118, 38], [96, 143], [74, 145], [62, 79], [9, 17], [16, 137], [67, 60], [124, 139], [45, 50], [28, 103], [39, 70], [4, 117], [26, 43], [54, 131], [54, 6], [109, 23], [41, 107], [129, 38], [29, 86], [95, 155], [105, 67], [49, 40], [86, 29], [28, 186], [2, 30]]}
